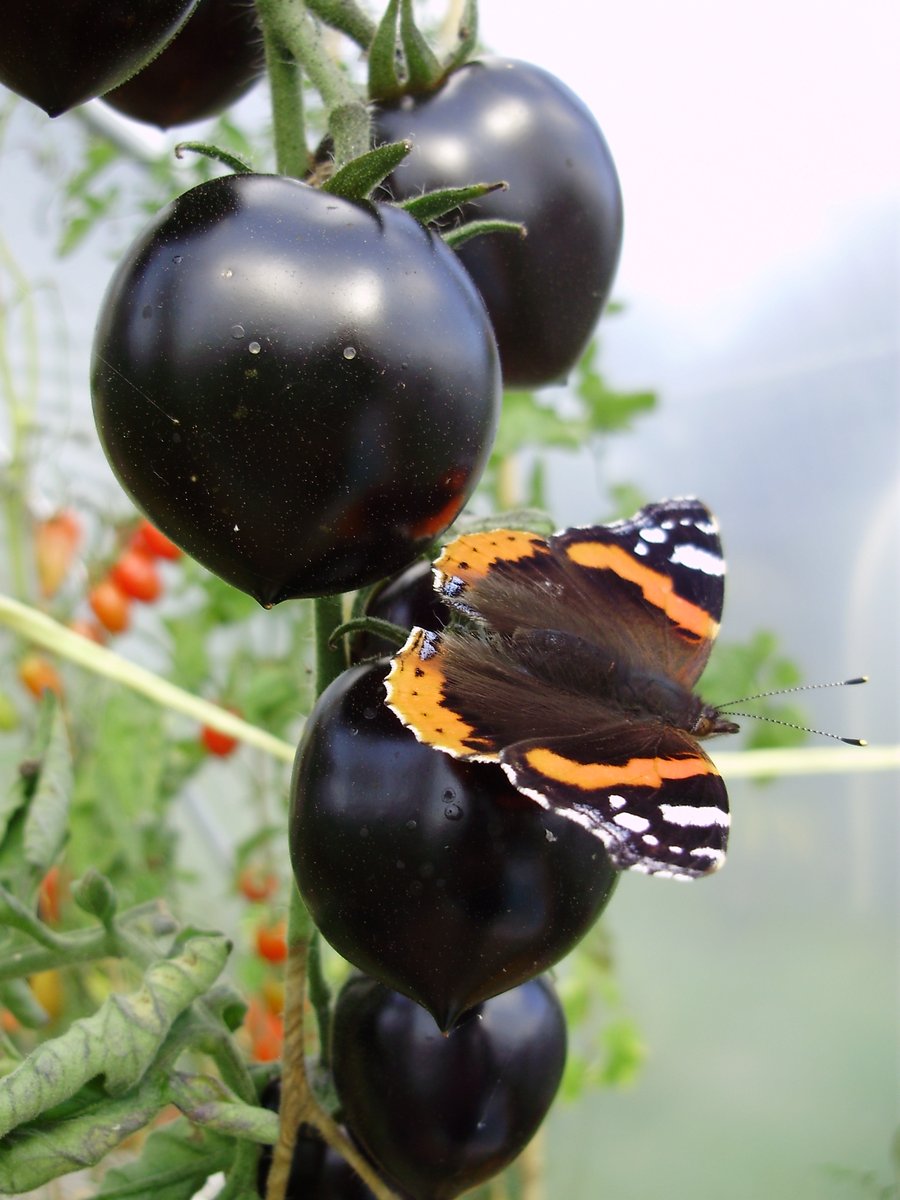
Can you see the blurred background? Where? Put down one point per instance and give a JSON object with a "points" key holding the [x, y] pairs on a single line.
{"points": [[758, 155]]}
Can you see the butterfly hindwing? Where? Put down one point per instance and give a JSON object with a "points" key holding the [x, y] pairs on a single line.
{"points": [[648, 792]]}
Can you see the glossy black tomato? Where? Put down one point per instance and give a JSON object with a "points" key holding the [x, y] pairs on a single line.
{"points": [[404, 600], [59, 53], [214, 60], [317, 1171], [300, 391], [439, 1113], [433, 875], [497, 118]]}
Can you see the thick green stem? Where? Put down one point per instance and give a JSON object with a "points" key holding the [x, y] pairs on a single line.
{"points": [[289, 24], [285, 84]]}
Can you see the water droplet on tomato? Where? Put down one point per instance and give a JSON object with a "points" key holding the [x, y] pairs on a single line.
{"points": [[349, 352], [254, 347], [453, 812], [237, 331]]}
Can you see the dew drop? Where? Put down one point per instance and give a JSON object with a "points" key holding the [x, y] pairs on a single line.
{"points": [[364, 831], [227, 273], [416, 887], [449, 794], [254, 347], [147, 311], [411, 824], [177, 259], [401, 865], [370, 713], [453, 812], [349, 352], [237, 331]]}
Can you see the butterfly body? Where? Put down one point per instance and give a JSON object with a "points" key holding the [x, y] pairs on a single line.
{"points": [[576, 672]]}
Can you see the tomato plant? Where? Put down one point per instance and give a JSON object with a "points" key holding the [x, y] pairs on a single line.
{"points": [[297, 428]]}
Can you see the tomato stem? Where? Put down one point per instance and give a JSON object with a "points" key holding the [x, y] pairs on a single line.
{"points": [[347, 17], [289, 23], [291, 152]]}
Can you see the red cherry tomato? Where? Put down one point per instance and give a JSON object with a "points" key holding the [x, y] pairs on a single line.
{"points": [[271, 942], [137, 576], [150, 540], [220, 744], [110, 605]]}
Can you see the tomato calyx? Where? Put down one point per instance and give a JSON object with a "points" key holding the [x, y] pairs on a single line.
{"points": [[235, 164], [387, 631], [401, 62]]}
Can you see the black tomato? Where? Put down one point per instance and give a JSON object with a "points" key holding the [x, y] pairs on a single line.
{"points": [[213, 61], [300, 391], [496, 119], [59, 54], [317, 1171], [433, 875], [437, 1112], [405, 600]]}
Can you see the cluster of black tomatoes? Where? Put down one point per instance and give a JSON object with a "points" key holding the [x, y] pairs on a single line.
{"points": [[301, 391]]}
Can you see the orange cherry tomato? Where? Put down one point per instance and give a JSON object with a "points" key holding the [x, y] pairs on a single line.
{"points": [[110, 605], [256, 884], [56, 543], [271, 942], [49, 896], [136, 574], [266, 1031], [39, 675], [149, 540]]}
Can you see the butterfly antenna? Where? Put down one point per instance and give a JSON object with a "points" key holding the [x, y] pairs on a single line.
{"points": [[803, 687]]}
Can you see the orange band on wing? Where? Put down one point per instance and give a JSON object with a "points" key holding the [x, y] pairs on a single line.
{"points": [[470, 557], [415, 688], [656, 587], [636, 772]]}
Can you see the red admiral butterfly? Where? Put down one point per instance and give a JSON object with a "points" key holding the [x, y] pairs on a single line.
{"points": [[576, 674]]}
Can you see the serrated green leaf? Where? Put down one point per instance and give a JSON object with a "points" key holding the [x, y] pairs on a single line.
{"points": [[35, 1155], [118, 1042], [46, 822], [175, 1164]]}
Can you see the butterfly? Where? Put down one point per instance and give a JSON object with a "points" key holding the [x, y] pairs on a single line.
{"points": [[574, 668]]}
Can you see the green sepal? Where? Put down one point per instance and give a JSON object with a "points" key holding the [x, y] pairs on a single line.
{"points": [[94, 894], [430, 206], [384, 78], [217, 154], [357, 179], [472, 229], [386, 630], [423, 70], [467, 38]]}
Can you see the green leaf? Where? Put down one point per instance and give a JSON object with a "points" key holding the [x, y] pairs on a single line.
{"points": [[35, 1155], [175, 1164], [46, 822], [206, 1101], [118, 1042]]}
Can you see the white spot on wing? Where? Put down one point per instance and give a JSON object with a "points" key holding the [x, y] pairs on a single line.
{"points": [[697, 559], [654, 534], [689, 814], [632, 821]]}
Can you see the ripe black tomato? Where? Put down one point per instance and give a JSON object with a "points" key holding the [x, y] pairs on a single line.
{"points": [[440, 1113], [498, 118], [433, 875], [60, 54], [300, 391], [213, 61]]}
